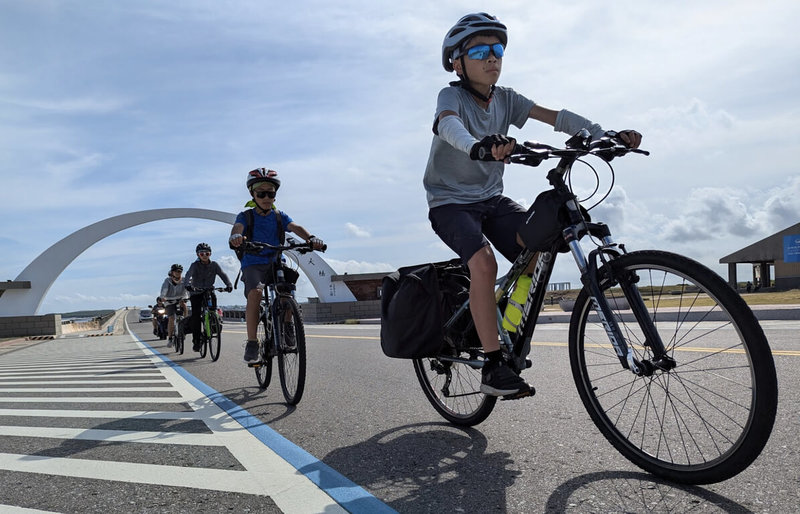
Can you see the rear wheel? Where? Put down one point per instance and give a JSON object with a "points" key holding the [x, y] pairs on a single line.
{"points": [[453, 388], [708, 417], [263, 368], [452, 380], [292, 352]]}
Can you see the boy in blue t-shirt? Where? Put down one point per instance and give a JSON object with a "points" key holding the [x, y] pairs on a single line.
{"points": [[263, 185], [467, 207]]}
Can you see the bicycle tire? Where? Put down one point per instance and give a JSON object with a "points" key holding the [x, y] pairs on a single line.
{"points": [[263, 369], [215, 341], [708, 418], [179, 336], [292, 360], [453, 388]]}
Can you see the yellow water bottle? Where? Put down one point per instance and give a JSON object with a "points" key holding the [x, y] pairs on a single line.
{"points": [[516, 303]]}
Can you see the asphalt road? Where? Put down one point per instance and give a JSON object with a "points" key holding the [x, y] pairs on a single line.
{"points": [[365, 416]]}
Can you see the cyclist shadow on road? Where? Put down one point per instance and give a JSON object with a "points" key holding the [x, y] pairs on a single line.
{"points": [[264, 405], [92, 447], [631, 491], [413, 468]]}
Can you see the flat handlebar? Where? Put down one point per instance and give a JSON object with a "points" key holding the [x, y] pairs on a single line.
{"points": [[291, 244], [532, 153]]}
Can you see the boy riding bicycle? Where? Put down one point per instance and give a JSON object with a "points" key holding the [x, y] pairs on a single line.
{"points": [[173, 292], [201, 275], [467, 209], [268, 225]]}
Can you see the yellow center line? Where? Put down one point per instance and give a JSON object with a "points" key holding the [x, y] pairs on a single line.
{"points": [[789, 353]]}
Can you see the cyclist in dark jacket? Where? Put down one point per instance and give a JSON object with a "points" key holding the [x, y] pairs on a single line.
{"points": [[201, 275]]}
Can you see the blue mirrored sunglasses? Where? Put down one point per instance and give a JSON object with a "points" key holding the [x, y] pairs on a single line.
{"points": [[481, 52]]}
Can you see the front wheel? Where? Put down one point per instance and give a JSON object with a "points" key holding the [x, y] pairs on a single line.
{"points": [[263, 368], [179, 336], [215, 341], [292, 351], [708, 417]]}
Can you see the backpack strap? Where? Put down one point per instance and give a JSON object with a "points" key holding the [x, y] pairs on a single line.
{"points": [[250, 218], [281, 230]]}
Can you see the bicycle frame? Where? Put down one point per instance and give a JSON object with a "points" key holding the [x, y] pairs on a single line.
{"points": [[268, 310], [206, 312], [519, 345]]}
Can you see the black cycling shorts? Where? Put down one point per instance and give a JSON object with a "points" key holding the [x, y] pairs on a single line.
{"points": [[466, 228]]}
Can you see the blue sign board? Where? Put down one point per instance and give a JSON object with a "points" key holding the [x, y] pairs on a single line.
{"points": [[791, 248]]}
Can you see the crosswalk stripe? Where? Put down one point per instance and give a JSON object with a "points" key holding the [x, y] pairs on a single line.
{"points": [[116, 414], [82, 389], [125, 436]]}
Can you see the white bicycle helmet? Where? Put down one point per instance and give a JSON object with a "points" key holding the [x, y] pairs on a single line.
{"points": [[263, 175], [468, 26]]}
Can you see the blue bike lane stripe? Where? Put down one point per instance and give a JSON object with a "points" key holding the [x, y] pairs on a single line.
{"points": [[345, 492]]}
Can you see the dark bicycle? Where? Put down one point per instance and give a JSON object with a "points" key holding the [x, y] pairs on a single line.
{"points": [[669, 361], [178, 334], [281, 332], [210, 323]]}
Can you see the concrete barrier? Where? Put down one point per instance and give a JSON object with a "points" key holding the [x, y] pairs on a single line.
{"points": [[21, 326]]}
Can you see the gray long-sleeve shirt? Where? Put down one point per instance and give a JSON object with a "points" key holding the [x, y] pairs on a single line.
{"points": [[202, 275]]}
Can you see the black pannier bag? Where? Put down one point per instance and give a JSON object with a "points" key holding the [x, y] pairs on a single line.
{"points": [[544, 219], [415, 303], [411, 313]]}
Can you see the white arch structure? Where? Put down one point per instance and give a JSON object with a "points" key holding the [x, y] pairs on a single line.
{"points": [[46, 268]]}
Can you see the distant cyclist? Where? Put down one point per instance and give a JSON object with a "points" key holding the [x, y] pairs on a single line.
{"points": [[201, 275], [268, 224], [173, 292], [158, 305]]}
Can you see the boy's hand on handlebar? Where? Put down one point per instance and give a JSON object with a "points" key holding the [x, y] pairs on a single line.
{"points": [[631, 138], [496, 147], [317, 243]]}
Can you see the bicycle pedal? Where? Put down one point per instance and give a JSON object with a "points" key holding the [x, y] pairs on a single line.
{"points": [[254, 364], [519, 395]]}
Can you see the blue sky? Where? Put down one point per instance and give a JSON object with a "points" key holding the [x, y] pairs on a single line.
{"points": [[114, 107]]}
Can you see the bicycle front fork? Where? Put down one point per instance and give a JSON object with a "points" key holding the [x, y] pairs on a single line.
{"points": [[590, 278]]}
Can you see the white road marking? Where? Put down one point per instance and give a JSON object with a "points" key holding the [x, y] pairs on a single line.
{"points": [[266, 473]]}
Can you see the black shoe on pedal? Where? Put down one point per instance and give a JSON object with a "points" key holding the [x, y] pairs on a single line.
{"points": [[251, 352], [497, 379]]}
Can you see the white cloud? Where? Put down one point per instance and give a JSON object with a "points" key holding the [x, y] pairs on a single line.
{"points": [[135, 106], [355, 230], [353, 267]]}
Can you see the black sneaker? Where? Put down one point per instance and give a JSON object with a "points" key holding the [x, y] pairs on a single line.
{"points": [[251, 352], [196, 346], [497, 379]]}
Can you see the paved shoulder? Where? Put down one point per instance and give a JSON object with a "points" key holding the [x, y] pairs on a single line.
{"points": [[99, 424]]}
